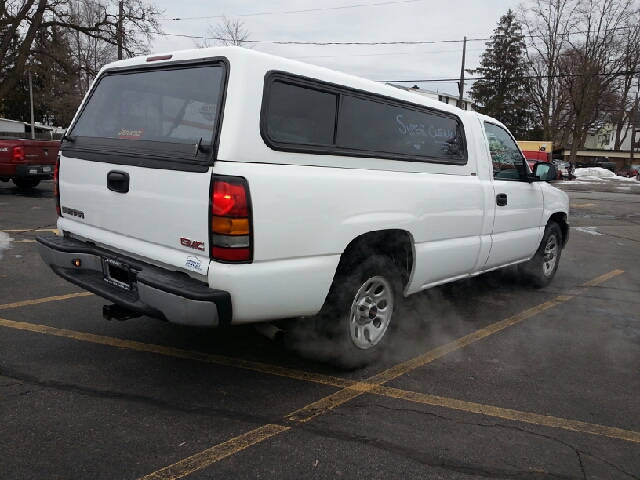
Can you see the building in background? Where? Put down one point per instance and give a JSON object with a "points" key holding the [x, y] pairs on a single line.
{"points": [[439, 96], [15, 128]]}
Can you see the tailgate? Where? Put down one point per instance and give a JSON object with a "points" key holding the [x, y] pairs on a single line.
{"points": [[161, 208], [40, 152]]}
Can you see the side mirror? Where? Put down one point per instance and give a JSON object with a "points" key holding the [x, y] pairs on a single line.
{"points": [[546, 172]]}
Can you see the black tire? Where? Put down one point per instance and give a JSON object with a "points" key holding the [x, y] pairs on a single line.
{"points": [[26, 182], [540, 270], [358, 320]]}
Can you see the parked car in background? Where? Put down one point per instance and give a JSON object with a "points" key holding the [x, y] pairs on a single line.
{"points": [[602, 162], [565, 169], [27, 162], [629, 171]]}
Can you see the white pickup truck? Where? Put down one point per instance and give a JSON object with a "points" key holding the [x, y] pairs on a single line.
{"points": [[224, 186]]}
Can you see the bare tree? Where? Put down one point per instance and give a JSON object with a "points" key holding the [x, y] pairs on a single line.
{"points": [[623, 106], [228, 32], [90, 53], [21, 20], [594, 62], [580, 53], [547, 24]]}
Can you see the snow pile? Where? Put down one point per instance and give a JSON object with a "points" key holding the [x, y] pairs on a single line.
{"points": [[5, 243], [601, 175], [595, 172]]}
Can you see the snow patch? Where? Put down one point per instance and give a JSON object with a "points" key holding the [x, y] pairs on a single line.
{"points": [[597, 172], [586, 176], [5, 243], [589, 230]]}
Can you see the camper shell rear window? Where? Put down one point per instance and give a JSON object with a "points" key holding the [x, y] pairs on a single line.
{"points": [[305, 115], [152, 116]]}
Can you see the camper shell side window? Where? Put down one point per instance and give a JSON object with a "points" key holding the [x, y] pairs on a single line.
{"points": [[309, 116]]}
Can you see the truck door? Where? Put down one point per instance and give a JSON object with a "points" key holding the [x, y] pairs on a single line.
{"points": [[517, 228]]}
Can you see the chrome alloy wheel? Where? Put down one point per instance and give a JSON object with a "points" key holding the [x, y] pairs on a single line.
{"points": [[371, 312], [550, 255]]}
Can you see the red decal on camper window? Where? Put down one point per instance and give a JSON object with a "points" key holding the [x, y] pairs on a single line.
{"points": [[126, 134]]}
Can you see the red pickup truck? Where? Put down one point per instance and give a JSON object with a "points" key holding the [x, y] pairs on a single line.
{"points": [[27, 162]]}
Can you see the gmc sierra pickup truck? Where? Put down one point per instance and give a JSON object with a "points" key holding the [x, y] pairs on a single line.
{"points": [[226, 186], [27, 162]]}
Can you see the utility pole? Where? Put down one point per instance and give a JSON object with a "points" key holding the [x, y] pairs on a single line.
{"points": [[461, 84], [634, 116], [120, 32], [33, 124]]}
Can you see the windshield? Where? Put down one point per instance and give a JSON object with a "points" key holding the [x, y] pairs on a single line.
{"points": [[178, 105]]}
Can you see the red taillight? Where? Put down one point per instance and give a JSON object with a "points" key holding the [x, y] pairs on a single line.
{"points": [[56, 185], [231, 254], [230, 235], [18, 154], [229, 200]]}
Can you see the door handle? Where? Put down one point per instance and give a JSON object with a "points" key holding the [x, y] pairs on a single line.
{"points": [[501, 199], [118, 181]]}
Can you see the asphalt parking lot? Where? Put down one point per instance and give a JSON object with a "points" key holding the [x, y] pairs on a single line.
{"points": [[490, 379]]}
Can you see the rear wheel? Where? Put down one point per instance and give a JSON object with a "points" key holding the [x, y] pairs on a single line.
{"points": [[358, 320], [26, 182], [541, 269]]}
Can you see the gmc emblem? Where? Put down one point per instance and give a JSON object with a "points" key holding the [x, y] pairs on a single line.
{"points": [[192, 244]]}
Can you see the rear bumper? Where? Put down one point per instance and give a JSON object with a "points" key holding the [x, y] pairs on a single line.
{"points": [[155, 292], [40, 171]]}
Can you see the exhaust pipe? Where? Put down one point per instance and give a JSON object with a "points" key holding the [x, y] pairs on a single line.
{"points": [[270, 331], [116, 312]]}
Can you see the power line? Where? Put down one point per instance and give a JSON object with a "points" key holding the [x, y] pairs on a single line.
{"points": [[283, 42], [345, 7], [522, 77], [381, 54]]}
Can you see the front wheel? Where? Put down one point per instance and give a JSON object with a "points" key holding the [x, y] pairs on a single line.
{"points": [[541, 269]]}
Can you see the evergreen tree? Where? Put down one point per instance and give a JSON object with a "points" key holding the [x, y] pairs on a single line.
{"points": [[501, 90]]}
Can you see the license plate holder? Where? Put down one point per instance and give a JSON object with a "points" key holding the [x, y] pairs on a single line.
{"points": [[117, 273]]}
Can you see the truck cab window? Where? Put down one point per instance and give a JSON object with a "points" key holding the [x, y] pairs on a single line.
{"points": [[508, 162]]}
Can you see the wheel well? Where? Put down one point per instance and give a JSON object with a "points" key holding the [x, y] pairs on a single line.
{"points": [[561, 219], [395, 244]]}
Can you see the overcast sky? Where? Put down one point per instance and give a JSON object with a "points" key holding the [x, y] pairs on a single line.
{"points": [[352, 21]]}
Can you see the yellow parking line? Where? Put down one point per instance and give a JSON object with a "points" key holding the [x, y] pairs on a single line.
{"points": [[421, 360], [179, 353], [217, 452], [508, 414], [44, 300], [602, 278]]}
